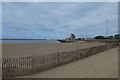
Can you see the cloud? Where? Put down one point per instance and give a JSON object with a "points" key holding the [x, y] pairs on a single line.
{"points": [[57, 20], [60, 0]]}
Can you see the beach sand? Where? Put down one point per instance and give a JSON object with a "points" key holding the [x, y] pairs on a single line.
{"points": [[20, 50], [102, 65]]}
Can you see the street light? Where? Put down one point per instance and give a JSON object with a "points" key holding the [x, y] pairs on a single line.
{"points": [[107, 30]]}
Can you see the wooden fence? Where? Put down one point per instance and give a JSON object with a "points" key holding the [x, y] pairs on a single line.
{"points": [[14, 67]]}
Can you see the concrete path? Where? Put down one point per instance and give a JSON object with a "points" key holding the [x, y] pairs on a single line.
{"points": [[102, 65]]}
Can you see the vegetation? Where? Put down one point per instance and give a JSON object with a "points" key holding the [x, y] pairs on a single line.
{"points": [[117, 36], [99, 37]]}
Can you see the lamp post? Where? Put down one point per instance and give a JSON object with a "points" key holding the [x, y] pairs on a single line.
{"points": [[107, 30]]}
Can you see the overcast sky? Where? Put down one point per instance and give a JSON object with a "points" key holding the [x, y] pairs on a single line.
{"points": [[53, 20]]}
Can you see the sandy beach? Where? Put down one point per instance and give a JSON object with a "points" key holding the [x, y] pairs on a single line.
{"points": [[102, 65], [19, 50]]}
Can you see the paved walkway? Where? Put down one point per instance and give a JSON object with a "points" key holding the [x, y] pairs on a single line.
{"points": [[102, 65]]}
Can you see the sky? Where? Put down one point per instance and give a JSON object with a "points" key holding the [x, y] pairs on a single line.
{"points": [[60, 0], [57, 20]]}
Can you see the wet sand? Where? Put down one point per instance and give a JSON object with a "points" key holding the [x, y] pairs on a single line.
{"points": [[20, 50]]}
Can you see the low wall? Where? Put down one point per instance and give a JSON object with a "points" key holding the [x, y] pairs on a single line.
{"points": [[14, 67]]}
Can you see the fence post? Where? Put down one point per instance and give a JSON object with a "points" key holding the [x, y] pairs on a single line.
{"points": [[91, 48], [106, 45], [77, 54], [58, 58], [32, 64]]}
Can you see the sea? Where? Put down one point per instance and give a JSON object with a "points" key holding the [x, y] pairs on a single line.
{"points": [[27, 41]]}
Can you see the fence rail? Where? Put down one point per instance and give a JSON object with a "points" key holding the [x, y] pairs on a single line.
{"points": [[14, 67]]}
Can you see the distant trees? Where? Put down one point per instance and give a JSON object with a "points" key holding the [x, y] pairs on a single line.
{"points": [[79, 39], [117, 36], [110, 37], [99, 37]]}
